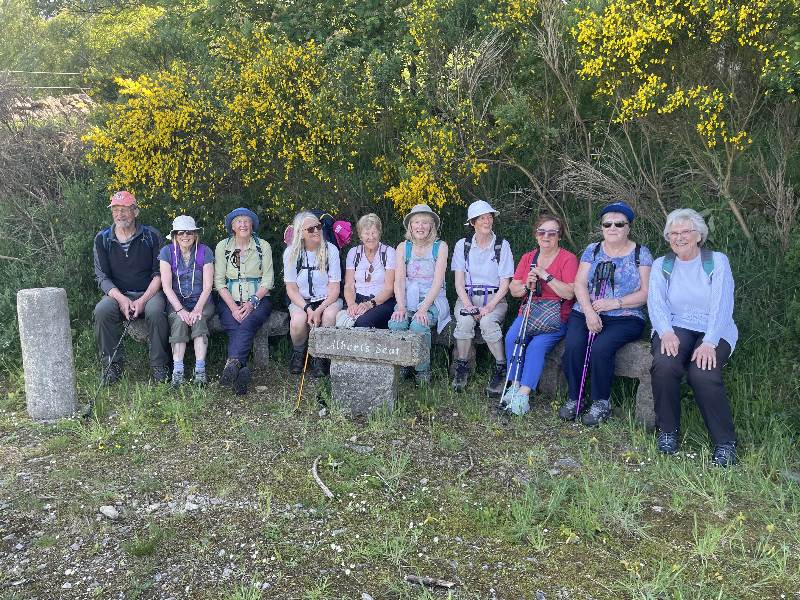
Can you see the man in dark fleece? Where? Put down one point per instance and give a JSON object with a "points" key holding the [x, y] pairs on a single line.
{"points": [[127, 271]]}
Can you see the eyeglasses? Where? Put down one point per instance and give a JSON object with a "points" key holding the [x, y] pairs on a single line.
{"points": [[547, 232], [368, 274], [184, 233], [674, 235], [115, 210], [314, 228], [617, 224]]}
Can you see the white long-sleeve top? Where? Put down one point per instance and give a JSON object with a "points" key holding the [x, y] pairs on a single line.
{"points": [[693, 302]]}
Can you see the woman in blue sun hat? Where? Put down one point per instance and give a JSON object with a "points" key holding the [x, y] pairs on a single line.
{"points": [[611, 291], [243, 278]]}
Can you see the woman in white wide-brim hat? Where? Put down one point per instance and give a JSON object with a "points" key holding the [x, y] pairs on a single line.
{"points": [[483, 265], [421, 302], [187, 277]]}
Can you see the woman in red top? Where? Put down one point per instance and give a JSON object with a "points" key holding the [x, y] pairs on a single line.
{"points": [[554, 271]]}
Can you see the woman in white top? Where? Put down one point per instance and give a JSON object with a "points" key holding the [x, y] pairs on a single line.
{"points": [[483, 267], [419, 281], [690, 302], [368, 279], [312, 274]]}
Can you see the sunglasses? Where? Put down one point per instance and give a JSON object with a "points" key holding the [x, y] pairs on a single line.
{"points": [[314, 228], [184, 233], [368, 274], [617, 224], [547, 232]]}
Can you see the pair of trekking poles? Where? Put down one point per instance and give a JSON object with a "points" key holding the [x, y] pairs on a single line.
{"points": [[604, 273]]}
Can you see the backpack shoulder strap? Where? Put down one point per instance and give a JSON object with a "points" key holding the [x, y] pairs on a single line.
{"points": [[200, 258], [535, 258], [383, 255], [357, 258], [105, 236], [408, 251], [467, 247], [668, 265], [596, 250], [436, 249], [707, 256], [260, 252], [637, 255], [498, 248]]}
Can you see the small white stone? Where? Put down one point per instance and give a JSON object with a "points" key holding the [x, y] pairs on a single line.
{"points": [[109, 512], [191, 506], [67, 586]]}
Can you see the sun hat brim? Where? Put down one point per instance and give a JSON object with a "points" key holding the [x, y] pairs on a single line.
{"points": [[421, 209]]}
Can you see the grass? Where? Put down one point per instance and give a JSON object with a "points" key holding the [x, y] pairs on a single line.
{"points": [[435, 488]]}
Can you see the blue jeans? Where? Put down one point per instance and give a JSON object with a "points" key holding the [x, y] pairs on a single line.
{"points": [[409, 323], [535, 349], [616, 332], [241, 335]]}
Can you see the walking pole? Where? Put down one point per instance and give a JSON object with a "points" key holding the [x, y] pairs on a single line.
{"points": [[606, 270], [519, 345], [104, 374], [302, 380]]}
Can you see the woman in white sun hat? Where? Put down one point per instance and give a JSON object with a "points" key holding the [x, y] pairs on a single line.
{"points": [[187, 277], [419, 281], [483, 265]]}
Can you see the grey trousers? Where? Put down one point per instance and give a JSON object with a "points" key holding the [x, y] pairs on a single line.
{"points": [[107, 320]]}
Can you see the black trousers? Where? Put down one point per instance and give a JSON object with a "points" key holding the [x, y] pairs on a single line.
{"points": [[709, 389], [377, 317]]}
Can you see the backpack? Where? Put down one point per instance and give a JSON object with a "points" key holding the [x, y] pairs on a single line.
{"points": [[498, 248], [636, 257], [706, 255], [198, 263], [337, 233], [357, 258], [435, 250], [258, 250], [149, 237]]}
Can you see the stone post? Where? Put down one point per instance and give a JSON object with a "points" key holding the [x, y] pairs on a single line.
{"points": [[364, 364], [46, 340]]}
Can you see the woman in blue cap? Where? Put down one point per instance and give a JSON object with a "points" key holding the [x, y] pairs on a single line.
{"points": [[243, 277], [611, 291]]}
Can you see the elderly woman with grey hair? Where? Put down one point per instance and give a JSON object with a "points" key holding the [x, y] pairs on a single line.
{"points": [[690, 302], [369, 279]]}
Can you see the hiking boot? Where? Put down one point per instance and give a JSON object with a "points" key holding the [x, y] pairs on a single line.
{"points": [[667, 442], [242, 381], [422, 378], [461, 376], [160, 374], [599, 411], [177, 379], [230, 372], [568, 410], [495, 387], [297, 361], [111, 374], [406, 373], [199, 378], [317, 368], [725, 454]]}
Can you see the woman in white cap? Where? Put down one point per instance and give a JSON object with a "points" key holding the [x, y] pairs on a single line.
{"points": [[483, 267], [419, 281], [369, 279], [187, 276], [243, 278], [312, 273]]}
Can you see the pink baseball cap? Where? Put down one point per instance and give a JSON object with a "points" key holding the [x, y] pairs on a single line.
{"points": [[343, 232], [122, 198]]}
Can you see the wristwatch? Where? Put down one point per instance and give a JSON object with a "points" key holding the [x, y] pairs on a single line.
{"points": [[372, 301], [254, 300], [549, 278]]}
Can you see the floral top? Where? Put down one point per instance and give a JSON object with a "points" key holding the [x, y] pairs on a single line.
{"points": [[627, 279]]}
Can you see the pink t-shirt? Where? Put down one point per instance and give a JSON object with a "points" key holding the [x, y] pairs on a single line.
{"points": [[564, 268]]}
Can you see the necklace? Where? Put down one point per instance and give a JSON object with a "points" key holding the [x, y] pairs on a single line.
{"points": [[194, 270]]}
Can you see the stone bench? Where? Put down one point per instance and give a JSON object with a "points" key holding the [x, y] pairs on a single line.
{"points": [[633, 360], [276, 325], [365, 364]]}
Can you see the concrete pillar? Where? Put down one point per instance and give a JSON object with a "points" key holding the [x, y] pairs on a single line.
{"points": [[46, 340]]}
